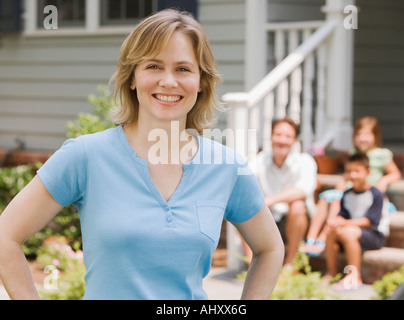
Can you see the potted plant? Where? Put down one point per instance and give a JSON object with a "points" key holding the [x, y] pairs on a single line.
{"points": [[328, 160]]}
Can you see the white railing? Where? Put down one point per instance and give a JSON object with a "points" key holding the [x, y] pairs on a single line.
{"points": [[288, 88], [312, 83]]}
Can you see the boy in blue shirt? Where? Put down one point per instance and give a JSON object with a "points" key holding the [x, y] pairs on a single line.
{"points": [[359, 226]]}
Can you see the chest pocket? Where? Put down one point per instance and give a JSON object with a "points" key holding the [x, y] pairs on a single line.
{"points": [[210, 216]]}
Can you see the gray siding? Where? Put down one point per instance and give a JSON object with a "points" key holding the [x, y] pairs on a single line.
{"points": [[295, 10], [44, 82], [224, 23], [379, 66]]}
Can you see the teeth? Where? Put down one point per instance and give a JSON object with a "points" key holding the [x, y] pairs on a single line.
{"points": [[168, 98]]}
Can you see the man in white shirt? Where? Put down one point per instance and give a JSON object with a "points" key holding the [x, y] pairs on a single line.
{"points": [[288, 180]]}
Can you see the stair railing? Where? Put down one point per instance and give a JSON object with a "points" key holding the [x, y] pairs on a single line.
{"points": [[287, 90]]}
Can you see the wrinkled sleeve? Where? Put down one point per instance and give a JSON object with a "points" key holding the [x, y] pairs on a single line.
{"points": [[246, 198], [64, 174], [308, 175], [343, 211], [374, 213]]}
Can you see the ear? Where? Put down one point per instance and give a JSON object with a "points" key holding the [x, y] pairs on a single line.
{"points": [[133, 84]]}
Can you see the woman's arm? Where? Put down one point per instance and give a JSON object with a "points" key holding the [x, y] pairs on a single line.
{"points": [[263, 237], [27, 213]]}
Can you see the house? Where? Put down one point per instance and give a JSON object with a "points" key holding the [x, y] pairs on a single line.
{"points": [[329, 63], [46, 75]]}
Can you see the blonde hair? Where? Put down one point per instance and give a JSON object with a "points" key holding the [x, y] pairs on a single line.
{"points": [[146, 41], [373, 125]]}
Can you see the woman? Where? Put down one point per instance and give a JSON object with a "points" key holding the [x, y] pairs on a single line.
{"points": [[149, 227]]}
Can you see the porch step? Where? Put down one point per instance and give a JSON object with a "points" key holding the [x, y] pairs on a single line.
{"points": [[375, 263], [396, 236]]}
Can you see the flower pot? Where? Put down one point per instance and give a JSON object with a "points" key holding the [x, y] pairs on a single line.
{"points": [[327, 164]]}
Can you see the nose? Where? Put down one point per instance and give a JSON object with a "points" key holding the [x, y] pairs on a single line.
{"points": [[168, 80]]}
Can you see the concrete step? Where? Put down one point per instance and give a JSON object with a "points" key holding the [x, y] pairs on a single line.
{"points": [[375, 263], [396, 236]]}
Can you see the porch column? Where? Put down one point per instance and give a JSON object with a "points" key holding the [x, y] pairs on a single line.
{"points": [[340, 75], [255, 42], [255, 69]]}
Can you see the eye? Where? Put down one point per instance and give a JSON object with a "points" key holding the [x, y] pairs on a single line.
{"points": [[183, 69], [153, 67]]}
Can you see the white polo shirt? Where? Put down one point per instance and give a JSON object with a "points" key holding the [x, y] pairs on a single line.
{"points": [[299, 170]]}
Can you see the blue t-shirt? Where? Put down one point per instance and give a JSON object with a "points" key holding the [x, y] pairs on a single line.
{"points": [[369, 204], [137, 245]]}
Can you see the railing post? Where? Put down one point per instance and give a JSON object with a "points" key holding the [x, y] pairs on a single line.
{"points": [[238, 120], [340, 75]]}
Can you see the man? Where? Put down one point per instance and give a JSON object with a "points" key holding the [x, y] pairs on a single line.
{"points": [[288, 180]]}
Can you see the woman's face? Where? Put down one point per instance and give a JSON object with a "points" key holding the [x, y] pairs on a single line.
{"points": [[167, 86], [364, 139]]}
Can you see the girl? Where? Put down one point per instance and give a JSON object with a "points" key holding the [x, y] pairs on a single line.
{"points": [[367, 138]]}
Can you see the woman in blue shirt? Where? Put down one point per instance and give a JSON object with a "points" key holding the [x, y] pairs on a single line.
{"points": [[151, 195]]}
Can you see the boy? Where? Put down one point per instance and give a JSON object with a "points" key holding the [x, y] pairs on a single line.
{"points": [[359, 225]]}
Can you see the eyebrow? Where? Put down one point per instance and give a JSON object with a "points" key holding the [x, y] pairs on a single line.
{"points": [[177, 63]]}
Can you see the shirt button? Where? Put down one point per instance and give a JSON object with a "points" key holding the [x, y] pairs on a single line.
{"points": [[166, 208], [169, 220]]}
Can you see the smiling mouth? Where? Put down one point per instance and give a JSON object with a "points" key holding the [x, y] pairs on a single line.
{"points": [[167, 98]]}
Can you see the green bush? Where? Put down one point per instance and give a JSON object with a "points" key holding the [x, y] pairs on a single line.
{"points": [[94, 122], [386, 287], [301, 283], [13, 180]]}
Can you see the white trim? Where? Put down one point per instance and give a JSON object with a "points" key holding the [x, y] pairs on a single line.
{"points": [[76, 32], [255, 42], [92, 24], [92, 15], [30, 16], [294, 25]]}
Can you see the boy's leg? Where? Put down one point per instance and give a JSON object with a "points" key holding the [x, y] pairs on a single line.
{"points": [[331, 252], [349, 238]]}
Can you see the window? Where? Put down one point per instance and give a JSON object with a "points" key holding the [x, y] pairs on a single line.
{"points": [[81, 17], [10, 15], [71, 13], [118, 12]]}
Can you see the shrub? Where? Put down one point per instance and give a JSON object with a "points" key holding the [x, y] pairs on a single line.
{"points": [[13, 180], [300, 282], [94, 122], [388, 284]]}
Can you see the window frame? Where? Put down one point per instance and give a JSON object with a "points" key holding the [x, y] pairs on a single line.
{"points": [[106, 21], [66, 24], [92, 25]]}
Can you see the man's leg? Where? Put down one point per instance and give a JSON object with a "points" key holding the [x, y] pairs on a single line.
{"points": [[296, 227]]}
